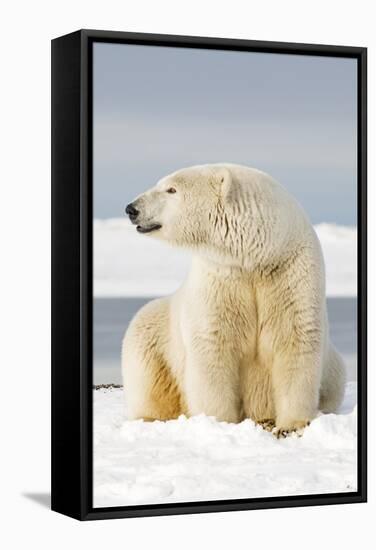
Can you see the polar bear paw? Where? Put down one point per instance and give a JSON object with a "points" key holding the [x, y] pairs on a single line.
{"points": [[267, 424], [296, 427]]}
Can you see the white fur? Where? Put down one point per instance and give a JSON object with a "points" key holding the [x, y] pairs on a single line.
{"points": [[247, 334]]}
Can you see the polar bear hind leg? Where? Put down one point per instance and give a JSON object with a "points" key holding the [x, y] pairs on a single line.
{"points": [[333, 381], [150, 389]]}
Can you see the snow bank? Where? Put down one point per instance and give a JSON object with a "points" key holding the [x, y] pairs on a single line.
{"points": [[129, 264], [184, 460], [339, 244]]}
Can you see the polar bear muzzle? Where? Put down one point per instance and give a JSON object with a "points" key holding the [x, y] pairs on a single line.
{"points": [[133, 214]]}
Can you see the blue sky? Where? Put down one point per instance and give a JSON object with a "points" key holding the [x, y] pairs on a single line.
{"points": [[158, 109]]}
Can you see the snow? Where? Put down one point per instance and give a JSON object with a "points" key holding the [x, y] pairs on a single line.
{"points": [[198, 458], [129, 264], [183, 460], [339, 244]]}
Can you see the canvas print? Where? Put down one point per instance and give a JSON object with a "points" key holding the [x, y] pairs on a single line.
{"points": [[224, 275]]}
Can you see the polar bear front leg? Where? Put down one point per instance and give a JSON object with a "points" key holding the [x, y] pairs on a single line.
{"points": [[212, 383], [296, 383]]}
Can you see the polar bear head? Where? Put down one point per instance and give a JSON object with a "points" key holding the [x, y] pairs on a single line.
{"points": [[230, 213]]}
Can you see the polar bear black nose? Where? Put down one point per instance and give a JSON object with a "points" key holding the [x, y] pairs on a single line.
{"points": [[131, 211]]}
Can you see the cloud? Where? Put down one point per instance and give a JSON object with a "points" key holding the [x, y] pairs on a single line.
{"points": [[133, 141]]}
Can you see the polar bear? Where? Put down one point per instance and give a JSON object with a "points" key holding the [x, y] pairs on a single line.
{"points": [[246, 335]]}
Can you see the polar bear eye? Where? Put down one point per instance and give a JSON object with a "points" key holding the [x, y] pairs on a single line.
{"points": [[171, 190]]}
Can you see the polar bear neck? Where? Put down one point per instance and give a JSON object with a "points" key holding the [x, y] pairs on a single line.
{"points": [[207, 269], [221, 266], [257, 226], [266, 252]]}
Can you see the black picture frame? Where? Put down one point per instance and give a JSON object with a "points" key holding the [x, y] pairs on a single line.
{"points": [[72, 312]]}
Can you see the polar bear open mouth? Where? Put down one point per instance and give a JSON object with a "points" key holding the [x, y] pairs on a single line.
{"points": [[148, 228]]}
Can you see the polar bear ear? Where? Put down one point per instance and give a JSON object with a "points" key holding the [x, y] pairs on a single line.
{"points": [[224, 181]]}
